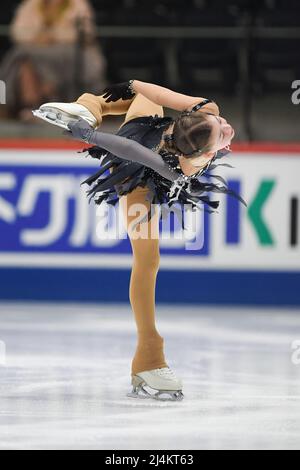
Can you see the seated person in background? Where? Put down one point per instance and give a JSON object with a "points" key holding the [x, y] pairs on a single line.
{"points": [[44, 61]]}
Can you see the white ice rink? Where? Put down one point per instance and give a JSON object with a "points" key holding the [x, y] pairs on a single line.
{"points": [[68, 371]]}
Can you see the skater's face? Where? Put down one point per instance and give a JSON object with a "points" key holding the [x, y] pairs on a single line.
{"points": [[222, 133]]}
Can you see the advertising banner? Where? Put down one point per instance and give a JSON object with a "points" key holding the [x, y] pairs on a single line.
{"points": [[46, 220]]}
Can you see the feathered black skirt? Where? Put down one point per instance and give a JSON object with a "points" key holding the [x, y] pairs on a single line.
{"points": [[117, 177]]}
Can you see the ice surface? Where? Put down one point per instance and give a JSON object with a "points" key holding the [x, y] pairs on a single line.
{"points": [[68, 371]]}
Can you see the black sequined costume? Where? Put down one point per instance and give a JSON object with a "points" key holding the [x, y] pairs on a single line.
{"points": [[117, 177]]}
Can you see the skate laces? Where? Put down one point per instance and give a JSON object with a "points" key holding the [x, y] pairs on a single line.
{"points": [[166, 372]]}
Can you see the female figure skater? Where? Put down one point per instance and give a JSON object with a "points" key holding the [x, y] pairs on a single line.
{"points": [[152, 160]]}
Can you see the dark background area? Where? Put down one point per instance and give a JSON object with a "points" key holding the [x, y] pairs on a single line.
{"points": [[244, 54]]}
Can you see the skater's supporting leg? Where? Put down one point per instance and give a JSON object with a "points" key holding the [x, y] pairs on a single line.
{"points": [[150, 348], [144, 239]]}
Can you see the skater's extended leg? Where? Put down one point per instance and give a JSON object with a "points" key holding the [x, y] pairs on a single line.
{"points": [[141, 107], [93, 108], [90, 107], [144, 239], [138, 106], [100, 108]]}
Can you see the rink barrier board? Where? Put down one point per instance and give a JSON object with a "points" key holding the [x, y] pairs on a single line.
{"points": [[108, 285], [111, 286], [64, 144]]}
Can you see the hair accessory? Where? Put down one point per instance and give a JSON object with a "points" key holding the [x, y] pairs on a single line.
{"points": [[195, 108], [131, 90], [200, 105]]}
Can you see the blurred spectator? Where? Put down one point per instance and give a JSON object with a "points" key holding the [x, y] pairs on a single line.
{"points": [[55, 53]]}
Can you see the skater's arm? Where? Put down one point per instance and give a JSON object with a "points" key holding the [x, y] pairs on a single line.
{"points": [[171, 99], [124, 148]]}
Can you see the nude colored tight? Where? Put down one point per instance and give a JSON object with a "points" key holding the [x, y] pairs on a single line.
{"points": [[144, 239]]}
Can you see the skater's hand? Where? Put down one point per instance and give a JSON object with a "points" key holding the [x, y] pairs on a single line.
{"points": [[119, 91], [81, 130]]}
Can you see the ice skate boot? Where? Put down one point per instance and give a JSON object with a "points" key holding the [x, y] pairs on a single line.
{"points": [[61, 114], [159, 384]]}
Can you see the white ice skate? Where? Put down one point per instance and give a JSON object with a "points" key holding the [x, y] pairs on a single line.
{"points": [[159, 384], [61, 114]]}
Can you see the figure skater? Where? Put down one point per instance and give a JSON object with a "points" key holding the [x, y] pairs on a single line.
{"points": [[153, 160]]}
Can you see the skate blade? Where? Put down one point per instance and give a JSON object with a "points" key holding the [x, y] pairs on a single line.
{"points": [[54, 117], [138, 395], [159, 396], [140, 391], [170, 396]]}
